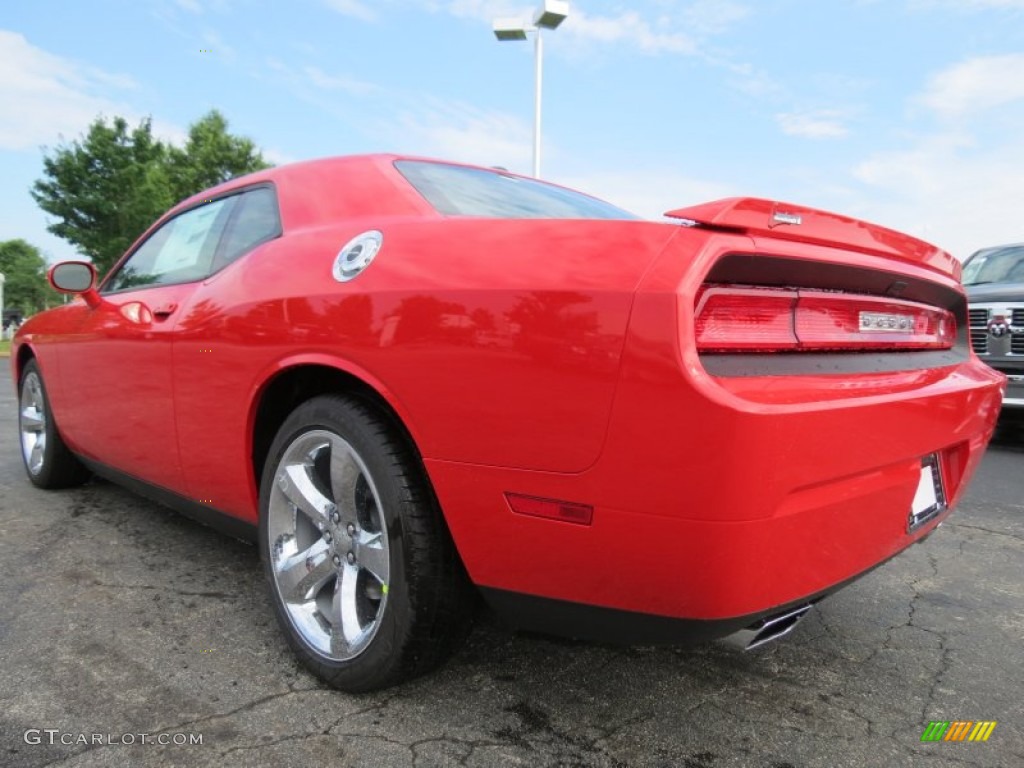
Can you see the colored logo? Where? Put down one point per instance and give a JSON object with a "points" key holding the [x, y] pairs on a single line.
{"points": [[998, 327], [958, 730]]}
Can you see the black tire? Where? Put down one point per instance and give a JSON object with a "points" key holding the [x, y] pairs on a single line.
{"points": [[420, 611], [53, 465]]}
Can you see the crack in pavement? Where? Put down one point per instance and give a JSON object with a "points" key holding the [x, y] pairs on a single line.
{"points": [[155, 588], [180, 727], [990, 531], [380, 706]]}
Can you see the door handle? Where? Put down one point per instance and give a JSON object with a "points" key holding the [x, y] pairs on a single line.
{"points": [[164, 310]]}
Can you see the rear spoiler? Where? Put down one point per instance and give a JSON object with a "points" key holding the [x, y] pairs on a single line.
{"points": [[783, 221]]}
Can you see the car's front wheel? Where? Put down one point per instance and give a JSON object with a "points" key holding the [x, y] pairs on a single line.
{"points": [[364, 577], [48, 461]]}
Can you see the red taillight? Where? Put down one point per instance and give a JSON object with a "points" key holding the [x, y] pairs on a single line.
{"points": [[745, 319], [731, 319]]}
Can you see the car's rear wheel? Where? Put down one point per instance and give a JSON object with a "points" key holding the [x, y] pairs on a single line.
{"points": [[48, 461], [364, 577]]}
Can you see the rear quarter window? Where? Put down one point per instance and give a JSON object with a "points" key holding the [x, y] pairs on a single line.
{"points": [[254, 221], [455, 190]]}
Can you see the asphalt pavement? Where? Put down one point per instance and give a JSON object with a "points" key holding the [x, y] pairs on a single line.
{"points": [[121, 622]]}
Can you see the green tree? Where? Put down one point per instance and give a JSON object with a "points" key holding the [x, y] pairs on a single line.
{"points": [[211, 156], [24, 271], [105, 189]]}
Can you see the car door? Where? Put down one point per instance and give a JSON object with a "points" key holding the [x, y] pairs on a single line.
{"points": [[118, 364], [214, 359]]}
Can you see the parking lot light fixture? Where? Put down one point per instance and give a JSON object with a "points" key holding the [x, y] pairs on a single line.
{"points": [[510, 29], [548, 17], [551, 14]]}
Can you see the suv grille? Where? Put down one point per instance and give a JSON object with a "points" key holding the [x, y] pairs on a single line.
{"points": [[978, 321], [984, 344], [979, 341]]}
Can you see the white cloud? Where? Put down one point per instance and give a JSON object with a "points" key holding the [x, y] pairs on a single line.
{"points": [[199, 7], [949, 191], [630, 27], [957, 185], [351, 85], [663, 33], [354, 8], [459, 131], [484, 10], [648, 193], [756, 83], [972, 5], [712, 17], [277, 157], [54, 96], [976, 84], [310, 82], [920, 167], [813, 124]]}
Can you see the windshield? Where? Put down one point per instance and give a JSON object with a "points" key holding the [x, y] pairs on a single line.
{"points": [[460, 191], [995, 265]]}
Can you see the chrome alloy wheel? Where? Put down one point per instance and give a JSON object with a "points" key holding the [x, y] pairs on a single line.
{"points": [[32, 422], [328, 545]]}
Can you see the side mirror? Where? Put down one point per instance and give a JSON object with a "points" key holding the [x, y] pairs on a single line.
{"points": [[76, 277]]}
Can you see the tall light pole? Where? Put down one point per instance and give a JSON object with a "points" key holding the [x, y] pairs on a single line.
{"points": [[550, 14]]}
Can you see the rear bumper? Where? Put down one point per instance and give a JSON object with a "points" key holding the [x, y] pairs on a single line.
{"points": [[719, 505], [671, 566], [609, 625]]}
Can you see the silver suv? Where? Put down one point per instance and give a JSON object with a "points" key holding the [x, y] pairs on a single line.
{"points": [[994, 278]]}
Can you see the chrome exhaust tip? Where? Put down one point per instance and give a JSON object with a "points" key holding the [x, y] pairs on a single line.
{"points": [[767, 629]]}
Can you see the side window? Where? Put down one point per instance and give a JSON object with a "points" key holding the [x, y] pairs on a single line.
{"points": [[255, 220], [181, 251]]}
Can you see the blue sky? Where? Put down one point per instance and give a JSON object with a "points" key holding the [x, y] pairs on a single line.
{"points": [[905, 112]]}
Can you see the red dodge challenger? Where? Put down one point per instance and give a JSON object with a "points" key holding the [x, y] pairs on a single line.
{"points": [[412, 382]]}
